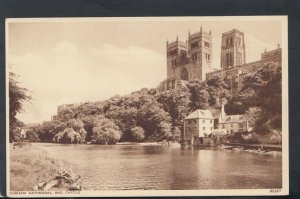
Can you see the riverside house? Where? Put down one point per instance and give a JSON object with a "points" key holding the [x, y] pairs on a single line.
{"points": [[197, 126], [232, 123]]}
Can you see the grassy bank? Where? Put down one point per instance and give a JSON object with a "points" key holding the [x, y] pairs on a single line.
{"points": [[30, 165]]}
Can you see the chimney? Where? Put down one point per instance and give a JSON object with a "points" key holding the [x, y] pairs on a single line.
{"points": [[223, 114]]}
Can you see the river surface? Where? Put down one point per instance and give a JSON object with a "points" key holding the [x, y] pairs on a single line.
{"points": [[132, 167]]}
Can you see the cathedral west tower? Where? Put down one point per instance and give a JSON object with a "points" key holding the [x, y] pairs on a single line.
{"points": [[190, 59]]}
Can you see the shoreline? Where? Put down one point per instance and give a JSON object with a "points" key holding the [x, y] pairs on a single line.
{"points": [[237, 147]]}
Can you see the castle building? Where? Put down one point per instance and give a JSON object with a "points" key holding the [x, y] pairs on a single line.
{"points": [[234, 76]]}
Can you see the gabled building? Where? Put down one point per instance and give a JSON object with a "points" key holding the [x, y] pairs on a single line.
{"points": [[197, 126], [232, 123]]}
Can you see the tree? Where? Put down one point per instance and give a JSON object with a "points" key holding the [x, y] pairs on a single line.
{"points": [[176, 103], [217, 90], [262, 89], [106, 132], [32, 135], [253, 114], [176, 134], [69, 135], [138, 133], [17, 96], [155, 121], [199, 95], [47, 130]]}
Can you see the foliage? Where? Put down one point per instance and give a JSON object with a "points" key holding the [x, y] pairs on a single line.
{"points": [[32, 136], [262, 91], [138, 133], [176, 134], [253, 115], [17, 96], [154, 120], [176, 103], [47, 130], [218, 91], [69, 135], [106, 132], [147, 115], [199, 95]]}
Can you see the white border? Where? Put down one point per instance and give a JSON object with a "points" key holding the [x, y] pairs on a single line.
{"points": [[206, 192]]}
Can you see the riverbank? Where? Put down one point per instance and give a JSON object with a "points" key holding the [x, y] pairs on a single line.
{"points": [[166, 143], [30, 166], [253, 148]]}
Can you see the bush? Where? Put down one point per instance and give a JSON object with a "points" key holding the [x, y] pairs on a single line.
{"points": [[106, 132], [67, 136], [138, 133], [251, 138]]}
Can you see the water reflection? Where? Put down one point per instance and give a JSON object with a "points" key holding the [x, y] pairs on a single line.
{"points": [[121, 167]]}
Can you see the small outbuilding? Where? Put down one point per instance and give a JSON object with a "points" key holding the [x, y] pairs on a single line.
{"points": [[197, 126]]}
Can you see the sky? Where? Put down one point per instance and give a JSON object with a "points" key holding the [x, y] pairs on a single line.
{"points": [[69, 61]]}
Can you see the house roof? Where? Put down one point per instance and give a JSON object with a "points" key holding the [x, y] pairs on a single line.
{"points": [[233, 119], [203, 114]]}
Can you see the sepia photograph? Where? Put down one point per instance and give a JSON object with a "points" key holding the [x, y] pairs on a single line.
{"points": [[147, 106]]}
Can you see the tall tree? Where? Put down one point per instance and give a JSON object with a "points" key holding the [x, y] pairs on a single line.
{"points": [[263, 90], [17, 96], [199, 95]]}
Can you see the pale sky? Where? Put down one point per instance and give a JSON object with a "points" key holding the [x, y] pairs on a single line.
{"points": [[68, 62]]}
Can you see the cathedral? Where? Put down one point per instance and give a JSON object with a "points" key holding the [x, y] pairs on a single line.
{"points": [[192, 59]]}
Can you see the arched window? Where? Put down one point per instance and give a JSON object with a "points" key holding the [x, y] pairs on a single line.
{"points": [[184, 74]]}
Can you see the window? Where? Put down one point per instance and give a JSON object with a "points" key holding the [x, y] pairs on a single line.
{"points": [[173, 52], [231, 125], [211, 121], [228, 59], [194, 45], [240, 125], [174, 63], [207, 56], [203, 128], [231, 131], [194, 56], [239, 58], [203, 121], [206, 44], [223, 126], [211, 128]]}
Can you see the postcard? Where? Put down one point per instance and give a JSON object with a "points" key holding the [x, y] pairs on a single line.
{"points": [[147, 106]]}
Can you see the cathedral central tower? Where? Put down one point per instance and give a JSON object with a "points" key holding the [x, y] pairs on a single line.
{"points": [[232, 49]]}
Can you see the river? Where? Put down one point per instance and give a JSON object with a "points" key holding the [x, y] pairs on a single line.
{"points": [[133, 167]]}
